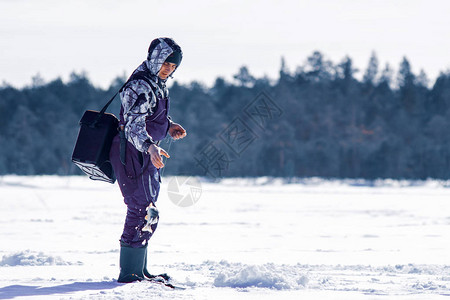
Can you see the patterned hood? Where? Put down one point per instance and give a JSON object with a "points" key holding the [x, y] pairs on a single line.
{"points": [[158, 52]]}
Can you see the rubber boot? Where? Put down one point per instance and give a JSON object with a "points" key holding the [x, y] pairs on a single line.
{"points": [[147, 273], [131, 263]]}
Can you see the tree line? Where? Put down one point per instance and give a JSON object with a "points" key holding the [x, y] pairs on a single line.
{"points": [[319, 120]]}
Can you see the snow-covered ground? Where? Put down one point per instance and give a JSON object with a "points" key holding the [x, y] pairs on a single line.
{"points": [[244, 239]]}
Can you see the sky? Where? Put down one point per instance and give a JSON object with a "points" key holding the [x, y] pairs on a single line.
{"points": [[109, 38]]}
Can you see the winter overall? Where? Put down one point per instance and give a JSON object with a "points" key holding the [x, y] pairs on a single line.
{"points": [[138, 179]]}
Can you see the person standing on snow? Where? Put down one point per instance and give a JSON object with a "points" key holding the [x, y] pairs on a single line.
{"points": [[135, 155]]}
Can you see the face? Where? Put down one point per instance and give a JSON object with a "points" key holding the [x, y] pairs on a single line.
{"points": [[166, 69]]}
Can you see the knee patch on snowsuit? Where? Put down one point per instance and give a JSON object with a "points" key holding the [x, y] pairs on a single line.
{"points": [[135, 221]]}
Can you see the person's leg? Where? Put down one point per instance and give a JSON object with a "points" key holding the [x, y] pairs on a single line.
{"points": [[139, 192], [152, 190], [133, 244]]}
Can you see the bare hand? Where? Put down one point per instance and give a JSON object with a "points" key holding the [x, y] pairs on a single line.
{"points": [[155, 155], [176, 131]]}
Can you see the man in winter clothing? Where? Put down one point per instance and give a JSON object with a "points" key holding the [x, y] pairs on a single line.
{"points": [[135, 155]]}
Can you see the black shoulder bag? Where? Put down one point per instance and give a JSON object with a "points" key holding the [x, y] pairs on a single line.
{"points": [[91, 152]]}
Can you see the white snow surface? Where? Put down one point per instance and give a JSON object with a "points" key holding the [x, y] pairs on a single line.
{"points": [[261, 238]]}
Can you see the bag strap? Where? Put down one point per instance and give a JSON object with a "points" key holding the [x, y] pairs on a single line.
{"points": [[139, 75], [102, 112], [142, 75]]}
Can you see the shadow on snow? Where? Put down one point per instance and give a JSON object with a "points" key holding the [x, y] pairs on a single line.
{"points": [[9, 292]]}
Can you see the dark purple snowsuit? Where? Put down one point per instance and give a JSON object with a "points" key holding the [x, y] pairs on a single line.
{"points": [[144, 114]]}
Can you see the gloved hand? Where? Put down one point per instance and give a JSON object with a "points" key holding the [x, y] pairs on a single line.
{"points": [[152, 217]]}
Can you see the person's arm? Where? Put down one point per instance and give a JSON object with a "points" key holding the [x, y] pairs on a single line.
{"points": [[138, 101]]}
